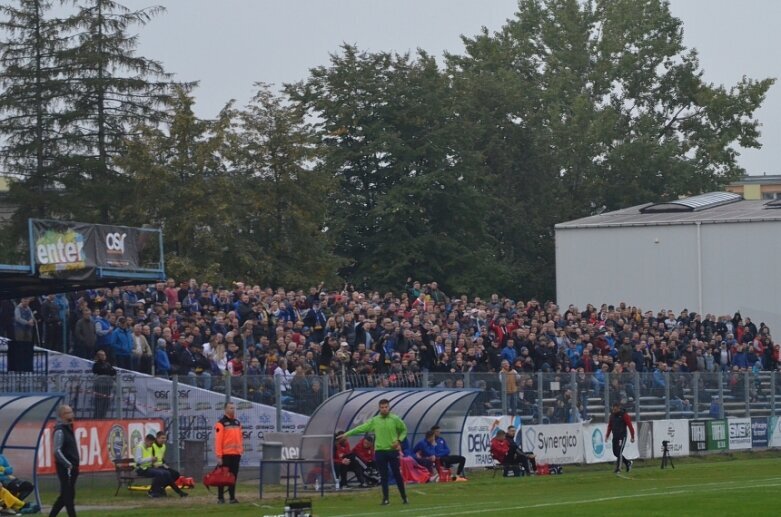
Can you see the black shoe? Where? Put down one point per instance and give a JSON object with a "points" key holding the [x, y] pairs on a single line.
{"points": [[183, 494], [220, 501], [628, 466], [404, 500], [384, 502], [234, 501], [617, 471]]}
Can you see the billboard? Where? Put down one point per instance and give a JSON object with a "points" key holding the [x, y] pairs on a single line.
{"points": [[716, 432], [477, 435], [739, 430], [675, 432], [99, 442], [698, 436], [759, 431], [554, 443], [597, 450]]}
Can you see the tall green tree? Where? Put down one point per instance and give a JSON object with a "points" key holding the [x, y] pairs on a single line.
{"points": [[112, 91], [282, 199], [575, 105], [30, 86], [410, 199]]}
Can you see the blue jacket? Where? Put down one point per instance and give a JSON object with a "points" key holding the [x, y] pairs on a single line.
{"points": [[162, 364], [510, 354], [105, 339], [122, 342], [425, 448], [8, 470], [441, 449]]}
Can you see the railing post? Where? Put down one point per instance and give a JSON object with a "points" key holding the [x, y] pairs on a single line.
{"points": [[667, 395], [637, 396], [540, 405], [228, 387], [175, 422], [721, 396], [278, 397], [503, 384], [118, 395], [424, 380], [696, 390], [607, 399], [326, 388], [747, 394], [244, 384], [573, 383], [343, 382], [773, 393]]}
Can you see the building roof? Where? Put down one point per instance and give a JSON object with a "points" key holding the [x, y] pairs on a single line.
{"points": [[765, 179], [737, 212]]}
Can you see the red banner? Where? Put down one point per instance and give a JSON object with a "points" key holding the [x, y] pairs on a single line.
{"points": [[99, 442]]}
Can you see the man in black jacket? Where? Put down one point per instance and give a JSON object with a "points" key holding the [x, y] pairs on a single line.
{"points": [[66, 460]]}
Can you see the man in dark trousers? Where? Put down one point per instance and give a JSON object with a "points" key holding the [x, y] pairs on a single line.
{"points": [[618, 424], [389, 431], [442, 452], [228, 446], [66, 460]]}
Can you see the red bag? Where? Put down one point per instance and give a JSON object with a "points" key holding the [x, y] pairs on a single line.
{"points": [[543, 469], [220, 476], [184, 482]]}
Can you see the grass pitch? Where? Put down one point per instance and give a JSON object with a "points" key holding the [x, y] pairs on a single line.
{"points": [[741, 484]]}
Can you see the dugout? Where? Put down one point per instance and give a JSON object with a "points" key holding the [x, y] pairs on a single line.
{"points": [[22, 422], [421, 409]]}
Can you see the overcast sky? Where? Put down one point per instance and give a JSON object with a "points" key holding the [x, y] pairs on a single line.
{"points": [[228, 45]]}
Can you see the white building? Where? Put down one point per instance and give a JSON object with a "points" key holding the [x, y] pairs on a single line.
{"points": [[715, 253]]}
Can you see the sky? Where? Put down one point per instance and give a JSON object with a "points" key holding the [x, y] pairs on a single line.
{"points": [[228, 45]]}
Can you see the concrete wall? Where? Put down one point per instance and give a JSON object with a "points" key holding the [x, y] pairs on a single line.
{"points": [[656, 267]]}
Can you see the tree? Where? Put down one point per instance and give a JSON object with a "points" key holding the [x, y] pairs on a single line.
{"points": [[31, 85], [409, 199], [112, 91], [581, 104]]}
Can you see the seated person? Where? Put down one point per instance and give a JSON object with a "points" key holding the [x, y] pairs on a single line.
{"points": [[442, 452], [18, 488], [345, 461], [500, 451], [526, 459], [9, 503], [411, 470], [424, 452], [159, 448], [364, 456], [146, 466]]}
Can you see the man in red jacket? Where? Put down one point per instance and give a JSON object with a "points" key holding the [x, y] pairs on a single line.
{"points": [[345, 461], [618, 424], [500, 451]]}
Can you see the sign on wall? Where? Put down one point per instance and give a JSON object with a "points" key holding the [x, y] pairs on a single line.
{"points": [[698, 436], [675, 432], [597, 450], [556, 443], [99, 442], [477, 436], [739, 430], [718, 438], [774, 432], [759, 431]]}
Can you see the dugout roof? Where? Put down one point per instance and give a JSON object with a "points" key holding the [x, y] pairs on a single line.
{"points": [[22, 422]]}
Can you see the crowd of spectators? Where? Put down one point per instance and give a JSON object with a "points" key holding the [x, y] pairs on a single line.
{"points": [[211, 335]]}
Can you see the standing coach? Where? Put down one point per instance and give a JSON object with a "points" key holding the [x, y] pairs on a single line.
{"points": [[618, 424], [228, 447]]}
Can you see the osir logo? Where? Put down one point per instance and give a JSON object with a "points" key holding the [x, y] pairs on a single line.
{"points": [[115, 242], [598, 443]]}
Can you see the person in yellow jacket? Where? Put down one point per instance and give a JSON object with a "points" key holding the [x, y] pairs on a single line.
{"points": [[9, 501], [228, 447]]}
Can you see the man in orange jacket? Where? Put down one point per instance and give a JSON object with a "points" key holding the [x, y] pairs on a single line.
{"points": [[228, 446]]}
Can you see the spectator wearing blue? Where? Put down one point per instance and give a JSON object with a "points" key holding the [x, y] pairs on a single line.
{"points": [[103, 331], [425, 452], [508, 352], [659, 379], [442, 452], [122, 344]]}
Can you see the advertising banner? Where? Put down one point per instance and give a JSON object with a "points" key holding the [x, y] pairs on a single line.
{"points": [[555, 443], [774, 432], [117, 246], [645, 441], [199, 409], [597, 450], [676, 433], [63, 249], [759, 431], [717, 435], [698, 436], [99, 442], [477, 436], [739, 430]]}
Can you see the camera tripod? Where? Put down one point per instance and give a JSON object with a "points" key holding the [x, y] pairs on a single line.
{"points": [[666, 458]]}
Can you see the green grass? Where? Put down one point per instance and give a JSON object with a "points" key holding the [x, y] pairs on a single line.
{"points": [[741, 484]]}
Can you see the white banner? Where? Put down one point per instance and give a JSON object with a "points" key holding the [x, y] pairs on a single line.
{"points": [[739, 430], [199, 409], [556, 443], [774, 432], [676, 432], [477, 436], [597, 450]]}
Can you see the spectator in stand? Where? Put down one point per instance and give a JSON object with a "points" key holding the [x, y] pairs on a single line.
{"points": [[122, 344], [142, 353], [24, 322], [84, 335], [162, 363], [105, 375]]}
